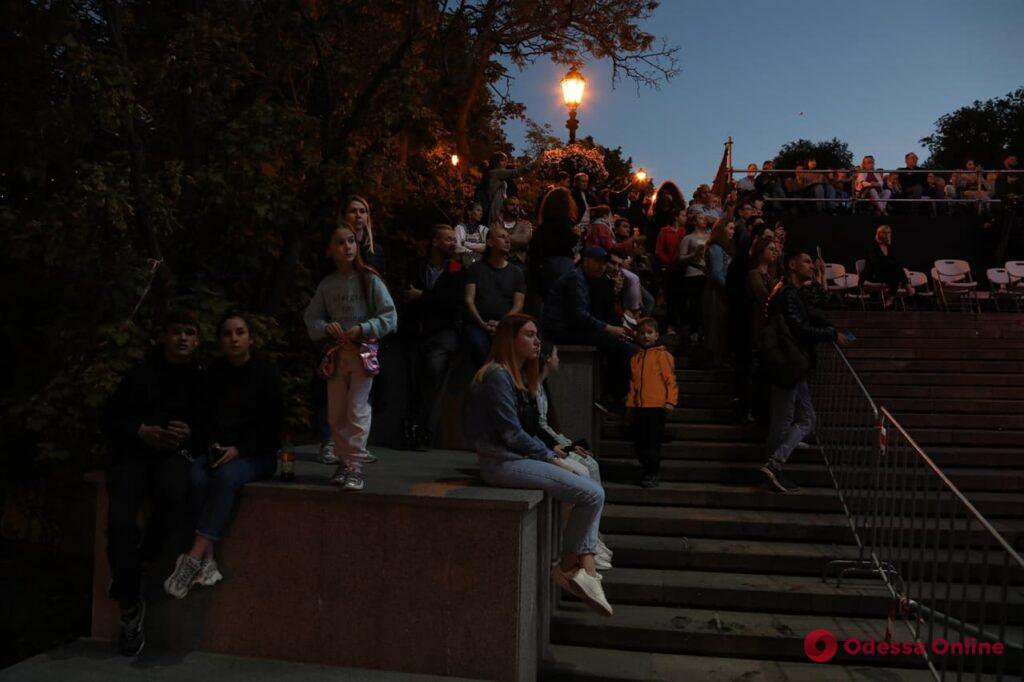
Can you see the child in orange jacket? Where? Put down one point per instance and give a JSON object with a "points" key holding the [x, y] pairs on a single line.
{"points": [[653, 394]]}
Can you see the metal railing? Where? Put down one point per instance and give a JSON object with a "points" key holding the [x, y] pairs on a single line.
{"points": [[981, 184], [955, 580]]}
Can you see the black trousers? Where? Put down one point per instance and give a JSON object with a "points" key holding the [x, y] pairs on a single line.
{"points": [[132, 481], [648, 433], [693, 301], [431, 360]]}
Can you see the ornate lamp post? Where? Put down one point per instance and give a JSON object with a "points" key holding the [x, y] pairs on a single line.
{"points": [[572, 92], [641, 176]]}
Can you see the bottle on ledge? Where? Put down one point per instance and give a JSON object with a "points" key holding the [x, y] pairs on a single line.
{"points": [[287, 455]]}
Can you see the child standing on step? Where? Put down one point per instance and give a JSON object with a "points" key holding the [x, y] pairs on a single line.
{"points": [[653, 394], [351, 310]]}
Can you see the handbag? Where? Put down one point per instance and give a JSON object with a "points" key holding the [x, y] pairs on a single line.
{"points": [[781, 357], [369, 354]]}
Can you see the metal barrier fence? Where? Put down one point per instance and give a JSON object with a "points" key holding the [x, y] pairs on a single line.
{"points": [[955, 580], [981, 185]]}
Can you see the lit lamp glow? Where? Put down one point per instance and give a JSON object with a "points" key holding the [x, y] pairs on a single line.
{"points": [[455, 159], [573, 86], [641, 175]]}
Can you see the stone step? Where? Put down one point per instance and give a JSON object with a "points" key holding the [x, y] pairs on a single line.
{"points": [[769, 524], [929, 342], [884, 393], [748, 591], [675, 430], [940, 419], [589, 664], [924, 318], [714, 632], [681, 494], [856, 353], [951, 436], [994, 333], [786, 558], [935, 365], [950, 381], [945, 456], [954, 406], [967, 479], [703, 415]]}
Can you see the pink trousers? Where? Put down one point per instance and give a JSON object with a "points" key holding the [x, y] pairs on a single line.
{"points": [[348, 408]]}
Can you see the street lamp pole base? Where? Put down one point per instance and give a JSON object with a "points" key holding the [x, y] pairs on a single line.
{"points": [[572, 124]]}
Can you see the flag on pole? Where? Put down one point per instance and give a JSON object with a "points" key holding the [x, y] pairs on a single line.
{"points": [[722, 177]]}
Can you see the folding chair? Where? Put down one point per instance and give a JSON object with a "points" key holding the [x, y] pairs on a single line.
{"points": [[869, 290], [999, 287], [1015, 271], [922, 287], [838, 281], [955, 283]]}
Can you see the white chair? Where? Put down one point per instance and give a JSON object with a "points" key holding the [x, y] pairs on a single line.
{"points": [[954, 282], [922, 289], [1015, 271], [999, 287], [838, 281]]}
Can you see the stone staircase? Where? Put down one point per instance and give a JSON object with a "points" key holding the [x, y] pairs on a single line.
{"points": [[717, 578]]}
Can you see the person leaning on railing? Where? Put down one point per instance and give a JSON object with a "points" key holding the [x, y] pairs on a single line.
{"points": [[870, 184]]}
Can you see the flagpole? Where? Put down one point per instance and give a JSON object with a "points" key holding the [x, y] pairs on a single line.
{"points": [[728, 156]]}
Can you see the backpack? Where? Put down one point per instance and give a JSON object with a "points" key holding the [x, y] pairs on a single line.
{"points": [[780, 356]]}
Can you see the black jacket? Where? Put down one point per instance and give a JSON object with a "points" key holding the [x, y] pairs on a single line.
{"points": [[243, 407], [809, 327], [440, 306], [884, 269], [153, 393]]}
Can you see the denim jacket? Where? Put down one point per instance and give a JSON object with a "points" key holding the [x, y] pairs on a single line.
{"points": [[493, 425]]}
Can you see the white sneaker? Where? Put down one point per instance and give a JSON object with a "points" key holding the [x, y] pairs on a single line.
{"points": [[209, 575], [327, 455], [601, 563], [339, 475], [354, 481], [603, 549], [185, 571], [803, 445], [564, 580], [593, 593]]}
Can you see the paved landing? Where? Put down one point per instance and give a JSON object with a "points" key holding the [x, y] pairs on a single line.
{"points": [[91, 661]]}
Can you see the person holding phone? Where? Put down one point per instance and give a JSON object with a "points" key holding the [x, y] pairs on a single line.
{"points": [[151, 425], [243, 412]]}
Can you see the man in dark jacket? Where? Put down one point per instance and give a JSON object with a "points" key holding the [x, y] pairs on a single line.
{"points": [[792, 413], [432, 317], [150, 423], [569, 319]]}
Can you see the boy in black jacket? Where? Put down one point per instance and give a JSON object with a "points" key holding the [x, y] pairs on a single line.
{"points": [[150, 424]]}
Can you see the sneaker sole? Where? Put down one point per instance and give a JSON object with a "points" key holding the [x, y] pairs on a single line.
{"points": [[168, 591], [773, 481]]}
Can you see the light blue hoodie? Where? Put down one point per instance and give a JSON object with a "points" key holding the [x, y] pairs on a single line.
{"points": [[340, 298]]}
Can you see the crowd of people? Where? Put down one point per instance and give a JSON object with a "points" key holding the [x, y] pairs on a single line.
{"points": [[626, 271], [916, 190]]}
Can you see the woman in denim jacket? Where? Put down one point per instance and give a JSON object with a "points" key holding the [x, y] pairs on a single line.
{"points": [[500, 402]]}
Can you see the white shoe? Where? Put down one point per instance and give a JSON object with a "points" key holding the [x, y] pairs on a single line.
{"points": [[209, 575], [593, 593], [601, 563], [185, 571], [802, 445], [327, 455], [564, 580], [603, 549], [339, 475]]}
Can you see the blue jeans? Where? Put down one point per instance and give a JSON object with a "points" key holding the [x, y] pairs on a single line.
{"points": [[478, 343], [792, 420], [213, 491], [586, 496]]}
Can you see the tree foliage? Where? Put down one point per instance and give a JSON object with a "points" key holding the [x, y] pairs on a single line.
{"points": [[982, 131], [217, 141], [833, 153]]}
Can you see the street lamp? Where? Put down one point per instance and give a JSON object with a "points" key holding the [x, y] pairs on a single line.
{"points": [[572, 92], [641, 175]]}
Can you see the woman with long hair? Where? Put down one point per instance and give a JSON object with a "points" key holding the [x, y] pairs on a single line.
{"points": [[718, 254], [357, 214], [501, 402], [554, 242]]}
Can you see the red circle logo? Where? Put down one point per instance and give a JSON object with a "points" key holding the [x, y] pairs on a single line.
{"points": [[820, 645]]}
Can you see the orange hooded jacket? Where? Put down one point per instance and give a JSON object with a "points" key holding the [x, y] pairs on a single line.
{"points": [[654, 379]]}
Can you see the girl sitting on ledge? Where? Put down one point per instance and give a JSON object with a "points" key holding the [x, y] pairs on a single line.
{"points": [[501, 401]]}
